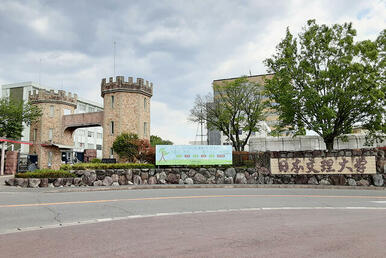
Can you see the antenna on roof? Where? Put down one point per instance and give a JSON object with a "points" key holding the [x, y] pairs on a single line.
{"points": [[114, 56]]}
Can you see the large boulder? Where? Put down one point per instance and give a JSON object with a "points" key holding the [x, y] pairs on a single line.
{"points": [[228, 180], [129, 174], [188, 181], [152, 180], [378, 180], [33, 182], [43, 182], [240, 178], [137, 180], [58, 182], [10, 181], [191, 172], [363, 182], [107, 181], [77, 181], [313, 181], [351, 182], [115, 177], [89, 178], [230, 172], [161, 177], [173, 178], [199, 178], [22, 182], [324, 182], [98, 183], [338, 180], [122, 180], [211, 180]]}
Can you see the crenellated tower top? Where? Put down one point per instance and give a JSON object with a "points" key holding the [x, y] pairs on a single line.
{"points": [[120, 85], [59, 97]]}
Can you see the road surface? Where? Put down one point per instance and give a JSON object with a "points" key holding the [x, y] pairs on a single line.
{"points": [[194, 223]]}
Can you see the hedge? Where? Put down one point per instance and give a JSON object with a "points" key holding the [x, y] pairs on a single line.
{"points": [[84, 166], [45, 173]]}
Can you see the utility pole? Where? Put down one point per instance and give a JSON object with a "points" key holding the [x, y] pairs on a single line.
{"points": [[2, 158]]}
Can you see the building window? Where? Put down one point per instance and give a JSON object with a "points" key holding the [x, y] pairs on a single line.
{"points": [[91, 109], [35, 134], [112, 127], [90, 134], [240, 132], [90, 146], [144, 129], [99, 135], [112, 101], [99, 147], [111, 152], [49, 159], [66, 111], [144, 104], [50, 131], [51, 111]]}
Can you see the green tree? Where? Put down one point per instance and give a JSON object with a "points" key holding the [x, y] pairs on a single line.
{"points": [[156, 140], [13, 115], [327, 83], [236, 106], [125, 146]]}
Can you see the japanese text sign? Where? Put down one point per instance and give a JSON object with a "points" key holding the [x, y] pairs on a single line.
{"points": [[324, 165]]}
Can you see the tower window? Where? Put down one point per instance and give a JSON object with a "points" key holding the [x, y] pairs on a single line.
{"points": [[35, 134], [144, 104], [144, 129], [112, 127], [50, 134], [51, 111], [112, 101]]}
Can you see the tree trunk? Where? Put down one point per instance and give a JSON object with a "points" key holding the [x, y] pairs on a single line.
{"points": [[329, 143]]}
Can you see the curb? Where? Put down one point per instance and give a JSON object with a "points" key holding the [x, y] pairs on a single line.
{"points": [[197, 186]]}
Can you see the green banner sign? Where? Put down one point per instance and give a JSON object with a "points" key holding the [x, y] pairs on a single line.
{"points": [[193, 155]]}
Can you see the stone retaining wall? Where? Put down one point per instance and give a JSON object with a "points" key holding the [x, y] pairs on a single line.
{"points": [[258, 175]]}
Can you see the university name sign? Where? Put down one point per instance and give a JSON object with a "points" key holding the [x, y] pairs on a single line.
{"points": [[193, 155], [325, 165]]}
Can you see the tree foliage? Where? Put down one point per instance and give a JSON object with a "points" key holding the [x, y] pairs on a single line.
{"points": [[125, 146], [236, 106], [12, 116], [156, 140], [129, 147], [327, 83]]}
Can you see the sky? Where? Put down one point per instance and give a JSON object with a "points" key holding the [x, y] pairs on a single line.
{"points": [[180, 46]]}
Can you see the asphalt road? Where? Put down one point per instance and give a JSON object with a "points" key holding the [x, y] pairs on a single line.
{"points": [[194, 223]]}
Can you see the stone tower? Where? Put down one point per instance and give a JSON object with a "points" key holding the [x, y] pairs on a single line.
{"points": [[126, 109], [47, 133]]}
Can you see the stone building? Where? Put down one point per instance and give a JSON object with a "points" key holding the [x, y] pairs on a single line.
{"points": [[84, 138], [126, 109]]}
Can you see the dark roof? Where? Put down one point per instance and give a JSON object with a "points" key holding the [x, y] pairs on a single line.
{"points": [[257, 75]]}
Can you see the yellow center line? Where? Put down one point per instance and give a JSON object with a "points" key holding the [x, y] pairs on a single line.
{"points": [[187, 197]]}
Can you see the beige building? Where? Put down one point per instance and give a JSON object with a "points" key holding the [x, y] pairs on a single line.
{"points": [[215, 137], [126, 109]]}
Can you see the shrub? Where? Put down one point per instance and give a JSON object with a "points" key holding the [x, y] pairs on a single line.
{"points": [[96, 160], [84, 166], [45, 173]]}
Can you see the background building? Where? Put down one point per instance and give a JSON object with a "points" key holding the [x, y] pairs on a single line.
{"points": [[84, 138], [216, 137]]}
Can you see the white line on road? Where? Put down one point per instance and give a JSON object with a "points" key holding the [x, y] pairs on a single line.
{"points": [[379, 201], [92, 221]]}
